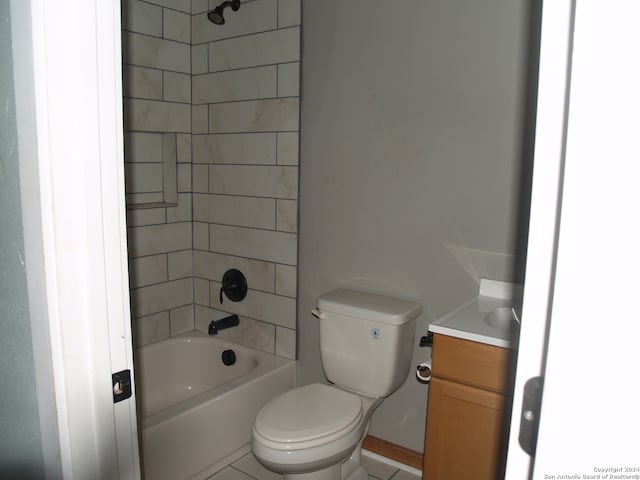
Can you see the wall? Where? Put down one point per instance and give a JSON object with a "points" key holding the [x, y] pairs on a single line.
{"points": [[245, 168], [230, 95], [411, 157], [157, 88], [21, 453]]}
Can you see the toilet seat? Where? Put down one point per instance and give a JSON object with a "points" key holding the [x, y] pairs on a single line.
{"points": [[307, 417]]}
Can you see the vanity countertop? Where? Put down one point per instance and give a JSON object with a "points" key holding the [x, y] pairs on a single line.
{"points": [[469, 323]]}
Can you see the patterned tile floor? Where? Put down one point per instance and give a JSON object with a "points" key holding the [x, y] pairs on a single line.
{"points": [[248, 468]]}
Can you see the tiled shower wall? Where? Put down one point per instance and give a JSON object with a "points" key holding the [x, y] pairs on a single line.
{"points": [[156, 41], [222, 100], [245, 168]]}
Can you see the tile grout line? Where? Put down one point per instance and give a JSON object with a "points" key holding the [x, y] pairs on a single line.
{"points": [[393, 463]]}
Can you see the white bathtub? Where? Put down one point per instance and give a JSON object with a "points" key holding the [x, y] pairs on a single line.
{"points": [[196, 413]]}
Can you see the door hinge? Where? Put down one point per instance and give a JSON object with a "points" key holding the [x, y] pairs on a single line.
{"points": [[530, 416], [121, 383]]}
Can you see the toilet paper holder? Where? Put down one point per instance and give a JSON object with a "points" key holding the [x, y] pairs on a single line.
{"points": [[423, 372]]}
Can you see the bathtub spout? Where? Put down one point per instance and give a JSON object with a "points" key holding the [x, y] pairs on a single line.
{"points": [[227, 322]]}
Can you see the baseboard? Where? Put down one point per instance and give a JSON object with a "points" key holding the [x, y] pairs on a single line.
{"points": [[394, 452]]}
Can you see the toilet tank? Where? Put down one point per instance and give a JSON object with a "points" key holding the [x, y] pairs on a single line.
{"points": [[366, 340]]}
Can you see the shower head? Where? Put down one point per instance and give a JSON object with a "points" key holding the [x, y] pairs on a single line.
{"points": [[215, 15]]}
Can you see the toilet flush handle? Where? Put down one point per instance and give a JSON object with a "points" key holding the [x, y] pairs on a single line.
{"points": [[317, 313]]}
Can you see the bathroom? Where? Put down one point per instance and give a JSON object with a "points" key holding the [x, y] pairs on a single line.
{"points": [[72, 263], [416, 156]]}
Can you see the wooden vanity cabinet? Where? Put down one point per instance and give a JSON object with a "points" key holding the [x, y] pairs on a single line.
{"points": [[468, 410]]}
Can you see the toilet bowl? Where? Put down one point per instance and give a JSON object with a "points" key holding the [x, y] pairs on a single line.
{"points": [[311, 429], [315, 432]]}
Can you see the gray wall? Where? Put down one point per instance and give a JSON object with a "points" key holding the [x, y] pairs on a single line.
{"points": [[20, 443], [411, 155]]}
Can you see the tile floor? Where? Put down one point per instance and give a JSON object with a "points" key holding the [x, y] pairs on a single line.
{"points": [[248, 468]]}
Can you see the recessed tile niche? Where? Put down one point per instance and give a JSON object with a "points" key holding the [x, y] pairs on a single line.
{"points": [[151, 170]]}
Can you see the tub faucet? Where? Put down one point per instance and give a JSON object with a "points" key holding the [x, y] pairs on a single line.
{"points": [[226, 322]]}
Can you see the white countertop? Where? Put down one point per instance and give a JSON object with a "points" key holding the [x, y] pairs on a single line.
{"points": [[468, 322]]}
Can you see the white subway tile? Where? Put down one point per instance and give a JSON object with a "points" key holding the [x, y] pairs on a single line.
{"points": [[143, 177], [262, 306], [153, 239], [199, 6], [141, 17], [181, 319], [235, 210], [240, 148], [141, 82], [278, 247], [286, 278], [144, 198], [199, 59], [252, 17], [146, 216], [254, 180], [177, 26], [177, 87], [276, 46], [289, 79], [200, 236], [145, 51], [151, 328], [169, 169], [260, 275], [180, 264], [201, 291], [200, 116], [287, 216], [286, 343], [182, 5], [235, 85], [183, 146], [184, 177], [162, 296], [143, 147], [147, 270], [182, 212], [288, 13], [154, 116], [249, 332], [254, 116], [288, 148], [202, 316], [200, 178]]}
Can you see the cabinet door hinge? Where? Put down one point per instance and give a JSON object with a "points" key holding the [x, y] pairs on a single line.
{"points": [[530, 416]]}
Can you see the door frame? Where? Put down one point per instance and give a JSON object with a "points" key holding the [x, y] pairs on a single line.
{"points": [[68, 78], [579, 325], [546, 189]]}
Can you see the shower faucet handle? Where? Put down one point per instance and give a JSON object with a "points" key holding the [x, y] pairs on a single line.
{"points": [[234, 285]]}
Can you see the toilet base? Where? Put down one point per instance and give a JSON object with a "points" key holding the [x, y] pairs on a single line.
{"points": [[352, 470], [330, 473], [349, 470]]}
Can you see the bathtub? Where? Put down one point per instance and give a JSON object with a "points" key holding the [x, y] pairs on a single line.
{"points": [[195, 412]]}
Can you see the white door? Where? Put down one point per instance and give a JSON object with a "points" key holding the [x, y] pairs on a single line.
{"points": [[579, 326], [67, 62]]}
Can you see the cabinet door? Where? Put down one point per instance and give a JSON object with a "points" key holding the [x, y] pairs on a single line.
{"points": [[465, 437]]}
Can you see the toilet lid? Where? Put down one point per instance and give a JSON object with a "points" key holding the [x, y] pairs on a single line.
{"points": [[308, 413]]}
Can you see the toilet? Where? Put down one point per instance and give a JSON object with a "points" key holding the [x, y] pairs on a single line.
{"points": [[315, 432]]}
